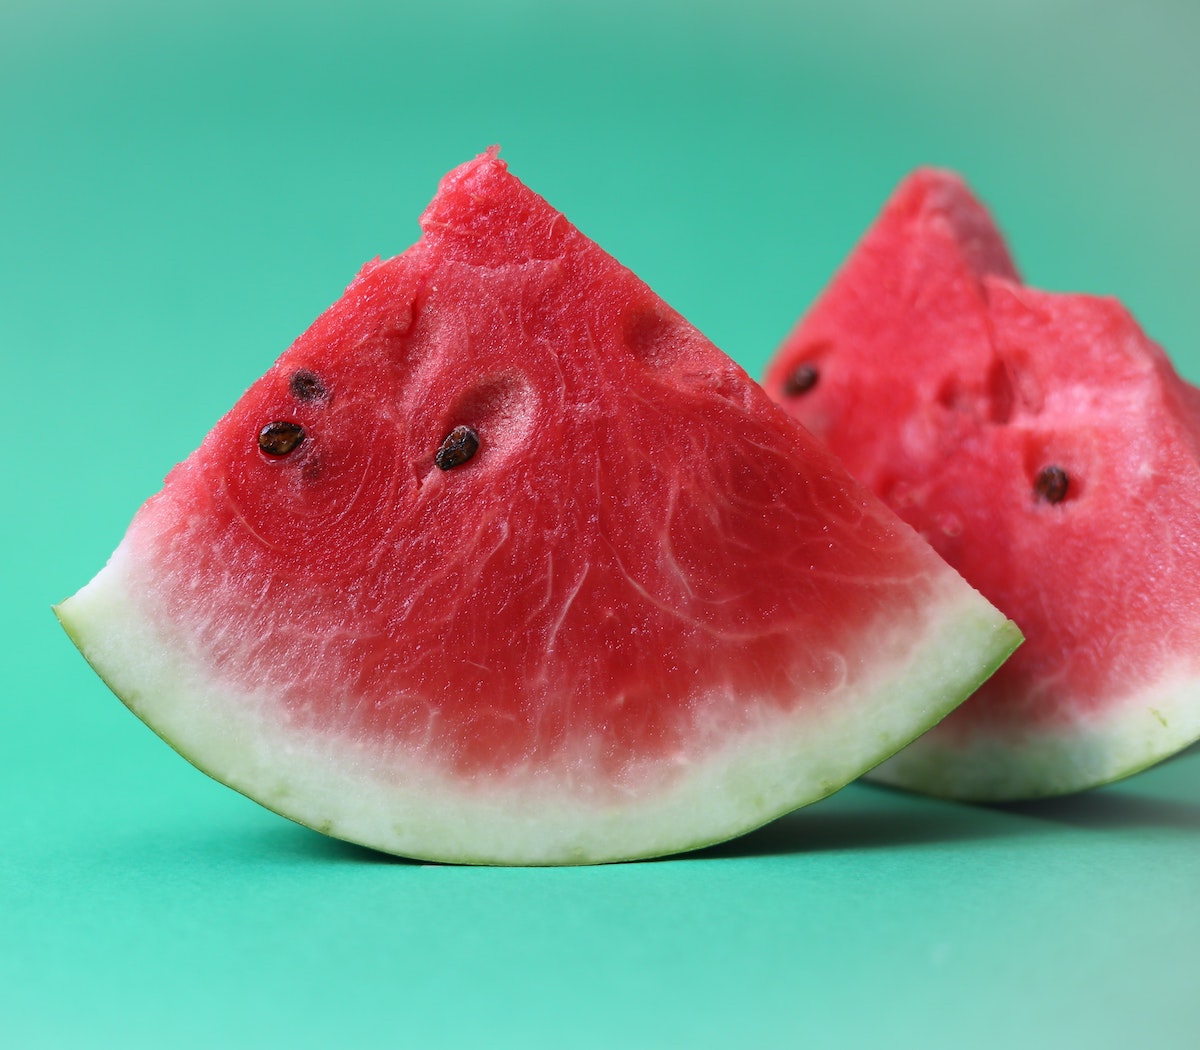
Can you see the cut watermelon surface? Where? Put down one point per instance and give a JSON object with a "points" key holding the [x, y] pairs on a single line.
{"points": [[1047, 449], [504, 562]]}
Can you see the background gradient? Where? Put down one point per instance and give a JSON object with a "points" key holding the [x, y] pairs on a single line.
{"points": [[185, 186]]}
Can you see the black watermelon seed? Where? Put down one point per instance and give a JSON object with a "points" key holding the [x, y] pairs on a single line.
{"points": [[307, 387], [802, 379], [278, 439], [457, 447], [1051, 484]]}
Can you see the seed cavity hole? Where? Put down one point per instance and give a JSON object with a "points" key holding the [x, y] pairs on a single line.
{"points": [[1051, 484], [280, 438], [456, 448], [657, 338], [987, 398], [307, 386]]}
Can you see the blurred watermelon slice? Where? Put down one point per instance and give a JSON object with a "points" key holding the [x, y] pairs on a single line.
{"points": [[503, 562], [1048, 450]]}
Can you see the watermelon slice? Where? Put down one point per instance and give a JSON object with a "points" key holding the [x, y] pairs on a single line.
{"points": [[1048, 451], [503, 562]]}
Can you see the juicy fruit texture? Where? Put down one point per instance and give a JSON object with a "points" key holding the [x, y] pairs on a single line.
{"points": [[1048, 451], [502, 561]]}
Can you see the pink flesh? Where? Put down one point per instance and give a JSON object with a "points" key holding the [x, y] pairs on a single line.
{"points": [[946, 385], [641, 533]]}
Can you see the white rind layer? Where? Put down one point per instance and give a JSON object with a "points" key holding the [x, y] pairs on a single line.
{"points": [[1001, 764], [732, 781]]}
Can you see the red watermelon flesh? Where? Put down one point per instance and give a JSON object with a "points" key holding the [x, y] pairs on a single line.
{"points": [[633, 610], [1047, 449]]}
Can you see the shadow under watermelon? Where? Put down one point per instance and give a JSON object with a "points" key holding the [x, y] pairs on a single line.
{"points": [[1107, 810], [865, 817], [870, 817]]}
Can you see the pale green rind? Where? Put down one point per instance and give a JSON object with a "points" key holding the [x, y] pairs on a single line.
{"points": [[729, 782], [1123, 737]]}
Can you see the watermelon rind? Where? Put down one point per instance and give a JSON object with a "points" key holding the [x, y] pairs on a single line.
{"points": [[1088, 751], [732, 781]]}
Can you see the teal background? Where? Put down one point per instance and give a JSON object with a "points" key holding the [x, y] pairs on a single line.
{"points": [[184, 187]]}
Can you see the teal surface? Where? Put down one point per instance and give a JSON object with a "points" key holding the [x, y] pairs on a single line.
{"points": [[184, 187]]}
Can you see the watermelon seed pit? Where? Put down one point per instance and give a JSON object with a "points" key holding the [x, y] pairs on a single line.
{"points": [[1051, 484], [802, 379], [280, 438], [456, 448], [305, 386]]}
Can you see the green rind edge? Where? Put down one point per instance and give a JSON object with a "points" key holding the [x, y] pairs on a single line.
{"points": [[1125, 736]]}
